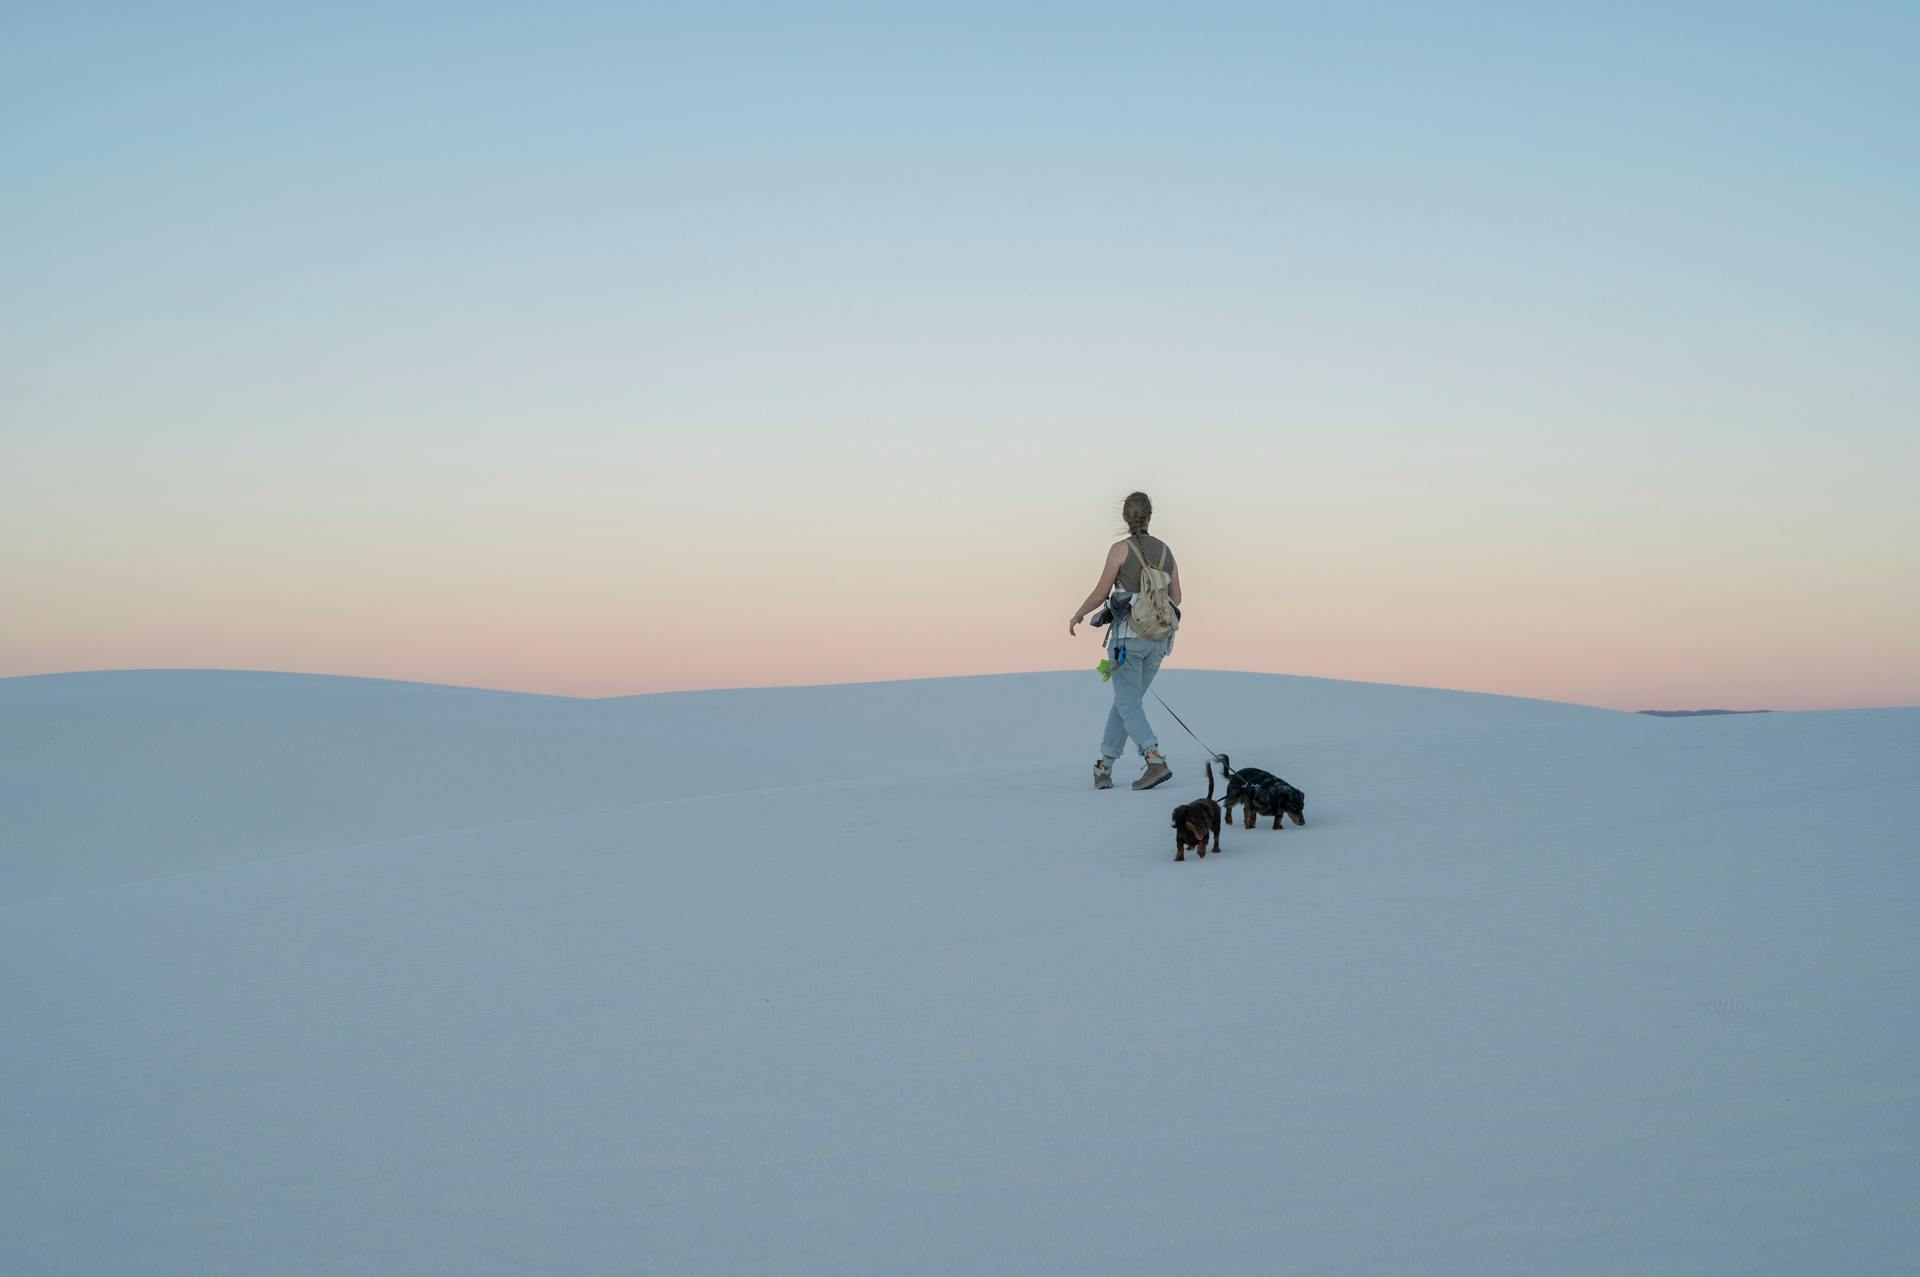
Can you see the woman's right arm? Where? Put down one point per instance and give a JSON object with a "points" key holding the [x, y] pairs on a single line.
{"points": [[1111, 569]]}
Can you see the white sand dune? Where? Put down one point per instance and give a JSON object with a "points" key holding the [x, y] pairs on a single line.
{"points": [[328, 975]]}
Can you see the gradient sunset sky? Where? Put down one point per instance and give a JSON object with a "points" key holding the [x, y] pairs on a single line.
{"points": [[602, 349]]}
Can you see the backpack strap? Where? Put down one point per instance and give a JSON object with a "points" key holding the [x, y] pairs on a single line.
{"points": [[1161, 566]]}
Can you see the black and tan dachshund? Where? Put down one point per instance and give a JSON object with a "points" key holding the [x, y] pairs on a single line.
{"points": [[1263, 794], [1193, 822]]}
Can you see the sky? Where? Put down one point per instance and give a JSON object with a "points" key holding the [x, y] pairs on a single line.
{"points": [[604, 349]]}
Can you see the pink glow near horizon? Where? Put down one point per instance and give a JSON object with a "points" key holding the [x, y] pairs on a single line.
{"points": [[631, 563], [1624, 646]]}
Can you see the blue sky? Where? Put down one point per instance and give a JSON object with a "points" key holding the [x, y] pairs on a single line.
{"points": [[1741, 178], [1461, 266]]}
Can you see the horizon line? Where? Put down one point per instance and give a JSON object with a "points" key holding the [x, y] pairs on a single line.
{"points": [[771, 687]]}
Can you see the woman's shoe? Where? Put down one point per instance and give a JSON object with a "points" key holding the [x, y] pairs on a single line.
{"points": [[1157, 771], [1103, 775]]}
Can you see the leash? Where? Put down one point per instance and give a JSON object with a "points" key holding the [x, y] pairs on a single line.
{"points": [[1183, 725]]}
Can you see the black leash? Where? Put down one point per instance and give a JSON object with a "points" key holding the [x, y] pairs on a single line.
{"points": [[1183, 725]]}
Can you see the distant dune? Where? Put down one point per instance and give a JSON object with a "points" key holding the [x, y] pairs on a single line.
{"points": [[1699, 713], [121, 775]]}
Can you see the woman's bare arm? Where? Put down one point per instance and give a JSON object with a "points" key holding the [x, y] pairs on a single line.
{"points": [[1115, 557], [1173, 585]]}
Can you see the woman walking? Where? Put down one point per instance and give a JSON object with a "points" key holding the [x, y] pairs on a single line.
{"points": [[1135, 659]]}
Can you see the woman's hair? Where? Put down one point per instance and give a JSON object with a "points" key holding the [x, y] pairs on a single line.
{"points": [[1137, 509]]}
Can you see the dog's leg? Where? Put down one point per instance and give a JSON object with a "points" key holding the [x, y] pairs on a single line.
{"points": [[1276, 817], [1247, 812]]}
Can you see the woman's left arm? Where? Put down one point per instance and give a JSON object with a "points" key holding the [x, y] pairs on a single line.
{"points": [[1115, 557], [1173, 585]]}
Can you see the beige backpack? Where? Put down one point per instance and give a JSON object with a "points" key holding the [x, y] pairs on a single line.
{"points": [[1152, 615]]}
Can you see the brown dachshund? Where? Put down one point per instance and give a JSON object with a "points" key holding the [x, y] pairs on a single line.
{"points": [[1194, 821]]}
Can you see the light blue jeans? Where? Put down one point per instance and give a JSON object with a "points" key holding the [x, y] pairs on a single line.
{"points": [[1128, 717]]}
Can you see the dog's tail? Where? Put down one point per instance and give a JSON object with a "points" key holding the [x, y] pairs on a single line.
{"points": [[1209, 781], [1225, 769]]}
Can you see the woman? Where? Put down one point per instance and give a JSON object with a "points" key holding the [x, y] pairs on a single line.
{"points": [[1120, 577]]}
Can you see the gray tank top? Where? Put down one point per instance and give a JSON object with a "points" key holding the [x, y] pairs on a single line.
{"points": [[1154, 548]]}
